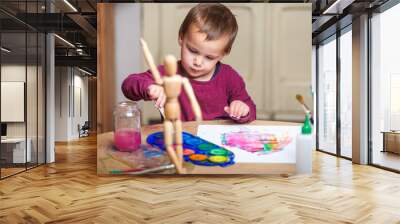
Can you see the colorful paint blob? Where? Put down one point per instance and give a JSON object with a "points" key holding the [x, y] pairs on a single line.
{"points": [[197, 150], [255, 142], [206, 146], [218, 152], [187, 152], [198, 157], [218, 159]]}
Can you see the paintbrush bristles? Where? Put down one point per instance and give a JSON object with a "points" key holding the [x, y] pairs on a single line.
{"points": [[300, 98]]}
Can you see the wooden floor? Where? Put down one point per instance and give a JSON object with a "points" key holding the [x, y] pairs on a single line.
{"points": [[5, 172], [69, 191], [8, 171]]}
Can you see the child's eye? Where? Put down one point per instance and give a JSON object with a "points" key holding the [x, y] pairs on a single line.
{"points": [[193, 51], [210, 58]]}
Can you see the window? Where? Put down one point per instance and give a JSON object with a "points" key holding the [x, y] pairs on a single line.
{"points": [[327, 96], [22, 65], [346, 92], [385, 88]]}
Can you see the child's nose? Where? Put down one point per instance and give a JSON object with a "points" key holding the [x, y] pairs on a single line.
{"points": [[197, 61]]}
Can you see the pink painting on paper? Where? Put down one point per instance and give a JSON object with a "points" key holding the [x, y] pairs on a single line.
{"points": [[256, 142]]}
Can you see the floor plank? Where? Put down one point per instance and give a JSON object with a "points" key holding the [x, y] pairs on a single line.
{"points": [[69, 191]]}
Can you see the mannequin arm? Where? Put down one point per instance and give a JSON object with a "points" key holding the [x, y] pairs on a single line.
{"points": [[150, 63]]}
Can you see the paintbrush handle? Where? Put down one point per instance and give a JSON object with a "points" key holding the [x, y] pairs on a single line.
{"points": [[307, 108], [161, 109], [155, 169]]}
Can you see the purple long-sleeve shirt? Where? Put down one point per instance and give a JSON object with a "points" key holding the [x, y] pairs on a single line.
{"points": [[213, 95]]}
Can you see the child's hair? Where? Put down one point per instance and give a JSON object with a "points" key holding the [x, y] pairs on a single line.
{"points": [[213, 19]]}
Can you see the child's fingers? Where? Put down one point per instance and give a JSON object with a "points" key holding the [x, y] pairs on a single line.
{"points": [[162, 101], [157, 104], [235, 110], [247, 111], [244, 111], [158, 92], [154, 92], [226, 109], [231, 110], [239, 110], [159, 101]]}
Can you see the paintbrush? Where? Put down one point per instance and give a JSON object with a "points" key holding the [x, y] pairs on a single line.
{"points": [[152, 170], [303, 104], [306, 109], [143, 171], [161, 109]]}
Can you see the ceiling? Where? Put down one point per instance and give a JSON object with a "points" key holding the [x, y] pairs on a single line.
{"points": [[76, 21], [332, 15], [73, 20]]}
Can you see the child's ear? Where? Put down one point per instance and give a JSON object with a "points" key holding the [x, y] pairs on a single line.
{"points": [[180, 40], [223, 55]]}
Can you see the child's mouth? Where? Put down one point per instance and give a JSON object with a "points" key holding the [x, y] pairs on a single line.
{"points": [[195, 71]]}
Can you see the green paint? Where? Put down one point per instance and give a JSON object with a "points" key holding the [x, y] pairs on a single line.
{"points": [[206, 146], [219, 152]]}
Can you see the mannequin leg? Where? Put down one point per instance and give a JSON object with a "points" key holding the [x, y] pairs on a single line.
{"points": [[168, 140], [179, 141]]}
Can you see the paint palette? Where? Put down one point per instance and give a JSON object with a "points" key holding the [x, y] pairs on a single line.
{"points": [[197, 150]]}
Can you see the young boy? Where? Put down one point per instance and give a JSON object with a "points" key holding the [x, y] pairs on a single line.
{"points": [[205, 36]]}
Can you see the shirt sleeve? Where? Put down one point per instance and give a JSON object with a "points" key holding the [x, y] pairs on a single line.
{"points": [[237, 91], [134, 87]]}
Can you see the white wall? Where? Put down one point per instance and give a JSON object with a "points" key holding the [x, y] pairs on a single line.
{"points": [[80, 110], [61, 104], [17, 73], [127, 46], [33, 126], [12, 101], [68, 82]]}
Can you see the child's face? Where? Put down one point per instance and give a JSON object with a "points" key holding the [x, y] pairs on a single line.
{"points": [[199, 56]]}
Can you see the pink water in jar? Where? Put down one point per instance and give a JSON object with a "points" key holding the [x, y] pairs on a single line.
{"points": [[127, 140]]}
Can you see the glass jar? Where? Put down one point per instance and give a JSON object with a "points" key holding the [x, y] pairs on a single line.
{"points": [[127, 136]]}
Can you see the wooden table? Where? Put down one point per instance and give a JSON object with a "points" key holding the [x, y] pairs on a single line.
{"points": [[105, 143], [391, 141]]}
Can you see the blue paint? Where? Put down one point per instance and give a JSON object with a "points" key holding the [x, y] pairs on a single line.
{"points": [[193, 142]]}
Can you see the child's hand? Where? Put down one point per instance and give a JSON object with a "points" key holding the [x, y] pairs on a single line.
{"points": [[237, 109], [157, 94]]}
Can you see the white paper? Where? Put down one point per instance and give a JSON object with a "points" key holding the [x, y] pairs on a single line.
{"points": [[213, 133]]}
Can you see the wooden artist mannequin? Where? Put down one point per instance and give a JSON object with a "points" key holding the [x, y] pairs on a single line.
{"points": [[172, 84]]}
